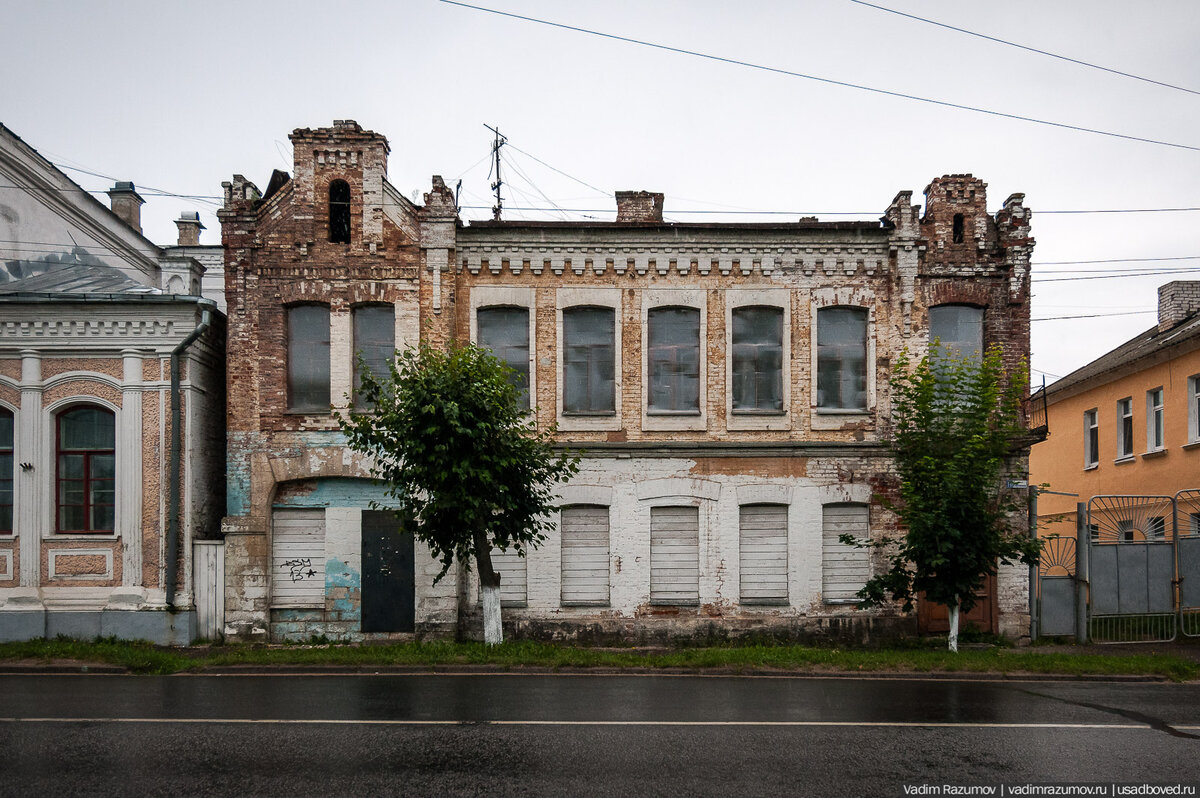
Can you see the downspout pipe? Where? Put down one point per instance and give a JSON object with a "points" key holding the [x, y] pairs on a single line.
{"points": [[176, 458]]}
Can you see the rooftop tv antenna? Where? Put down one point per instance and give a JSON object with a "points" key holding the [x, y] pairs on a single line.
{"points": [[497, 143]]}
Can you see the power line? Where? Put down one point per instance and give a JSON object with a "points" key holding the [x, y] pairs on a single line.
{"points": [[831, 81], [1156, 273], [158, 191], [561, 172], [1095, 315], [1112, 260], [874, 213], [1027, 48], [147, 192]]}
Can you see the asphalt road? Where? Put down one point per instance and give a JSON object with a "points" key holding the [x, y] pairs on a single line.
{"points": [[583, 735]]}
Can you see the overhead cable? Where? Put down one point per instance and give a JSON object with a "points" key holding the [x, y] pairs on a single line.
{"points": [[830, 81]]}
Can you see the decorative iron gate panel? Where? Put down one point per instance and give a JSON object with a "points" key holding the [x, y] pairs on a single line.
{"points": [[1131, 569], [1187, 527], [1056, 588]]}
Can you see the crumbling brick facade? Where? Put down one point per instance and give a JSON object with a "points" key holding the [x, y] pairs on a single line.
{"points": [[797, 457]]}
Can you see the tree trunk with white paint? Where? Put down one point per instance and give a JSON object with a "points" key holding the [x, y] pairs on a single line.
{"points": [[489, 592], [952, 642]]}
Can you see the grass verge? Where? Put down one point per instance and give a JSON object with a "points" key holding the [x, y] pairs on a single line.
{"points": [[145, 658]]}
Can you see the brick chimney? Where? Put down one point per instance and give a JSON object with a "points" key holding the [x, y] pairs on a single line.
{"points": [[1177, 301], [125, 203], [189, 229], [639, 206]]}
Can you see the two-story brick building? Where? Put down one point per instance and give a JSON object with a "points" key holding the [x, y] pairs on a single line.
{"points": [[728, 384]]}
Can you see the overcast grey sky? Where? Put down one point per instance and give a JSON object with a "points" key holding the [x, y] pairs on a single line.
{"points": [[178, 97]]}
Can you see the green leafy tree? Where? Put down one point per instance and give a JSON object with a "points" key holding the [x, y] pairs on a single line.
{"points": [[465, 468], [956, 425]]}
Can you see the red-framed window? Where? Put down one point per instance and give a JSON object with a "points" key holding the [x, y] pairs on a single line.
{"points": [[86, 476], [6, 471]]}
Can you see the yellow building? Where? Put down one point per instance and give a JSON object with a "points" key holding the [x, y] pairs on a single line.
{"points": [[1128, 424]]}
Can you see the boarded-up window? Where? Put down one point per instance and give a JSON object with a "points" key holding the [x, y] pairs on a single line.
{"points": [[308, 358], [584, 555], [589, 361], [674, 555], [298, 558], [512, 568], [674, 360], [505, 331], [846, 568], [757, 360], [374, 343], [763, 546], [842, 358]]}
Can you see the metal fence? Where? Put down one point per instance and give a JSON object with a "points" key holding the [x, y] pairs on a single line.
{"points": [[1131, 575]]}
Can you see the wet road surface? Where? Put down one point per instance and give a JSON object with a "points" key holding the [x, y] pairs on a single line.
{"points": [[542, 734]]}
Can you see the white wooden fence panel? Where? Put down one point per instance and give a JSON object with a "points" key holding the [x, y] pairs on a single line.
{"points": [[208, 583]]}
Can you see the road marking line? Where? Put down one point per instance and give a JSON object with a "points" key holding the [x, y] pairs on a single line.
{"points": [[766, 723]]}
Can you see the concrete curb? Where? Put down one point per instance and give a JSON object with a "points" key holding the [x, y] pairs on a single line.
{"points": [[493, 670]]}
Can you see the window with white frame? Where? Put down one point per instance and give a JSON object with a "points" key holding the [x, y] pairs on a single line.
{"points": [[374, 342], [757, 383], [1125, 427], [842, 358], [308, 358], [505, 331], [584, 530], [1091, 439], [1154, 420], [673, 360], [1193, 388], [959, 330], [6, 471], [589, 361], [86, 470]]}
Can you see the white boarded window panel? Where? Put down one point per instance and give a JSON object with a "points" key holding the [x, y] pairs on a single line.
{"points": [[513, 584], [763, 552], [584, 555], [845, 568], [298, 559], [675, 555]]}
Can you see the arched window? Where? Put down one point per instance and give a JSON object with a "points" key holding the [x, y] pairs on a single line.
{"points": [[589, 360], [339, 212], [308, 358], [6, 472], [374, 343], [757, 359], [842, 358], [86, 476], [674, 360], [505, 331], [959, 329]]}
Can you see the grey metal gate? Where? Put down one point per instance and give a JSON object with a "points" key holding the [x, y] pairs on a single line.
{"points": [[1187, 528], [1056, 592], [1131, 575], [1131, 569]]}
